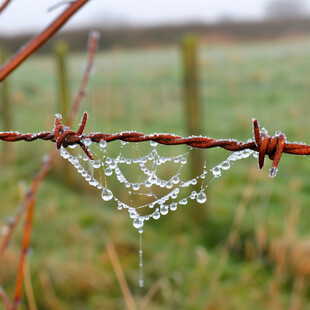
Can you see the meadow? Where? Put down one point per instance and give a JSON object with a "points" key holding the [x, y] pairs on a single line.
{"points": [[252, 250]]}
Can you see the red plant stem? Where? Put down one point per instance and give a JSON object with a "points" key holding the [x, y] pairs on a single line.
{"points": [[40, 39], [23, 256], [29, 202], [5, 299], [4, 5]]}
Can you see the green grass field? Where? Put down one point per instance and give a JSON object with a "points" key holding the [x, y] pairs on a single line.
{"points": [[252, 250]]}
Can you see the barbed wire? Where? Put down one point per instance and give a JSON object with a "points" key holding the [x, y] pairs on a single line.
{"points": [[262, 143]]}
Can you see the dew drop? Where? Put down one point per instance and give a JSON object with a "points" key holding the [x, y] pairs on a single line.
{"points": [[183, 201], [106, 194], [103, 144], [153, 143], [216, 171], [108, 171], [225, 165], [164, 209], [87, 142], [201, 197], [135, 186], [96, 163], [183, 160], [137, 222], [156, 215], [173, 206], [175, 179]]}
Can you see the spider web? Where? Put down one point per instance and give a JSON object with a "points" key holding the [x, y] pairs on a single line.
{"points": [[148, 181]]}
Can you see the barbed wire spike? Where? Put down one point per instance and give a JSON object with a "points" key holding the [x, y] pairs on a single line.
{"points": [[274, 146]]}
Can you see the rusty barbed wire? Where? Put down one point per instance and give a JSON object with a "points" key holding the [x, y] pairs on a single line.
{"points": [[262, 143]]}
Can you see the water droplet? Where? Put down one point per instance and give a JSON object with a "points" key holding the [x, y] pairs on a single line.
{"points": [[96, 163], [137, 222], [87, 142], [183, 161], [73, 146], [103, 144], [175, 179], [106, 194], [193, 195], [156, 215], [216, 171], [164, 209], [183, 201], [135, 186], [173, 206], [108, 171], [176, 159], [153, 143], [153, 178], [93, 182], [201, 197], [225, 165]]}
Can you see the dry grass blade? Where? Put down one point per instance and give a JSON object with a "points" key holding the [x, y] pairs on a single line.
{"points": [[5, 299], [130, 303], [28, 287]]}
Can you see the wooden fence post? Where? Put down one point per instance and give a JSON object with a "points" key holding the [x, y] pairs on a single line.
{"points": [[60, 49], [192, 108], [61, 52]]}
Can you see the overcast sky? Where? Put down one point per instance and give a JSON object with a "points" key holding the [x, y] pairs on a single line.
{"points": [[32, 15]]}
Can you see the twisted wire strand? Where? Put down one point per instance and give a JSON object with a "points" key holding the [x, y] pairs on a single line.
{"points": [[262, 143]]}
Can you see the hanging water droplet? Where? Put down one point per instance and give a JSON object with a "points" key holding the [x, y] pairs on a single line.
{"points": [[183, 161], [106, 194], [135, 186], [153, 178], [183, 201], [193, 195], [123, 143], [128, 161], [216, 171], [153, 143], [156, 215], [164, 209], [176, 159], [87, 142], [137, 222], [73, 146], [201, 197], [103, 144], [93, 181], [225, 165], [169, 184], [96, 163], [108, 171], [173, 206], [175, 179], [147, 183]]}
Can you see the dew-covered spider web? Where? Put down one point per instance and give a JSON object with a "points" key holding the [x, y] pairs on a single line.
{"points": [[147, 179]]}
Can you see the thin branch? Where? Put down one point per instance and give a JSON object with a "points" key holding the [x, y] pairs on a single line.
{"points": [[40, 39], [4, 5], [29, 202]]}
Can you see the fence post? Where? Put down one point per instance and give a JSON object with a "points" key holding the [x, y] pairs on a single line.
{"points": [[60, 49], [5, 107], [61, 52], [192, 107]]}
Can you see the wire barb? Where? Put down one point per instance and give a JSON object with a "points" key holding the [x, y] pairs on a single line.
{"points": [[274, 146]]}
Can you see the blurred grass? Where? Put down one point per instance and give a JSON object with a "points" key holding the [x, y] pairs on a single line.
{"points": [[141, 90]]}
